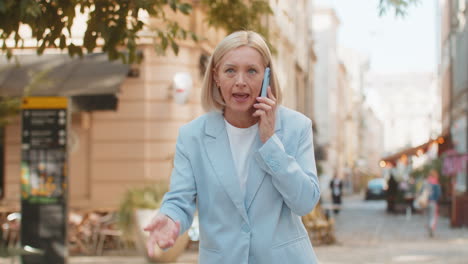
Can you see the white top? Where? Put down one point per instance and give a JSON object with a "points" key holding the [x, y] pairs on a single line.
{"points": [[241, 141]]}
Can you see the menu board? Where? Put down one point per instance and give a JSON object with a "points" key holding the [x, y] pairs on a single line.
{"points": [[44, 178]]}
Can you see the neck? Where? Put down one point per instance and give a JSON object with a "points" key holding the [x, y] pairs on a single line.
{"points": [[240, 119]]}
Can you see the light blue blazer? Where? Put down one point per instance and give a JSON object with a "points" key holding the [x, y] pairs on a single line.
{"points": [[264, 226]]}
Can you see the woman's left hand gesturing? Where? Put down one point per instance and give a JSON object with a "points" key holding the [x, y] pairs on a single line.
{"points": [[266, 111]]}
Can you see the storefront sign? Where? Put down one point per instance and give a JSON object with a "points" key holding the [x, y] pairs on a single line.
{"points": [[454, 163]]}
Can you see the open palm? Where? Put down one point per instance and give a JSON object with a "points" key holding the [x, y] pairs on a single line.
{"points": [[163, 232]]}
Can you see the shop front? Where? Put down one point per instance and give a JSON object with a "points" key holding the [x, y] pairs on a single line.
{"points": [[456, 165]]}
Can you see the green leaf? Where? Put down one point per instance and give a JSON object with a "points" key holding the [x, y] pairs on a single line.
{"points": [[173, 5], [183, 34], [194, 36], [9, 107], [400, 7], [175, 47], [164, 42], [185, 8]]}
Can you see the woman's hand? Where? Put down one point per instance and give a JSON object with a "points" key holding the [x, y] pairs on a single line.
{"points": [[163, 232], [266, 111]]}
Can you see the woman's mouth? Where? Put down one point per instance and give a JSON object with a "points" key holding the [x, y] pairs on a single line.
{"points": [[240, 97]]}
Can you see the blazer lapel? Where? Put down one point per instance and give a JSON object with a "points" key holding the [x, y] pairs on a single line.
{"points": [[220, 156], [256, 174]]}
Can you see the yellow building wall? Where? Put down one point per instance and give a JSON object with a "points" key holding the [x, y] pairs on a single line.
{"points": [[134, 145], [112, 151]]}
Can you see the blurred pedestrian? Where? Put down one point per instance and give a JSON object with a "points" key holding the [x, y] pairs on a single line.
{"points": [[248, 165], [336, 186], [392, 192], [435, 193]]}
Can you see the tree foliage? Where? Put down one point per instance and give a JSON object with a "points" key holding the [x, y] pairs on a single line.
{"points": [[117, 23], [238, 16], [400, 7], [8, 107]]}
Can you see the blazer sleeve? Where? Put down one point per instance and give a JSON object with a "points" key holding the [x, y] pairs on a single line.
{"points": [[294, 177], [180, 202]]}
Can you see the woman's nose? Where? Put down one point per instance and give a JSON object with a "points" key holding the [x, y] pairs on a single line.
{"points": [[240, 80]]}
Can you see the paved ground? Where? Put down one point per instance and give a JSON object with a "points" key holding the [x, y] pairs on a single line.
{"points": [[366, 235]]}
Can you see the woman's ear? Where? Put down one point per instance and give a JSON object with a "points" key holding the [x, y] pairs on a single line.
{"points": [[215, 77]]}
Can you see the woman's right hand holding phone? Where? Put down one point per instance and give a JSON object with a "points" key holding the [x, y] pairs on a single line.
{"points": [[163, 232]]}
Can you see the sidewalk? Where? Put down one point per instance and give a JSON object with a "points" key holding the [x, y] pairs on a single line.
{"points": [[367, 234], [189, 257]]}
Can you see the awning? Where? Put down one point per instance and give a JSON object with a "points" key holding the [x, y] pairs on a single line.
{"points": [[444, 141], [392, 159], [92, 82]]}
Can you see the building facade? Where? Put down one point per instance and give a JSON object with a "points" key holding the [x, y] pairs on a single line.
{"points": [[453, 68], [290, 35], [360, 123], [372, 134], [408, 107], [132, 146], [326, 77]]}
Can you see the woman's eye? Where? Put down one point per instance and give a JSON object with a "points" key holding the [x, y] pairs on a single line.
{"points": [[229, 70], [252, 71]]}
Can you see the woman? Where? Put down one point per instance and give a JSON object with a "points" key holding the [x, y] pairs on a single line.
{"points": [[336, 186], [392, 192], [248, 165], [434, 196]]}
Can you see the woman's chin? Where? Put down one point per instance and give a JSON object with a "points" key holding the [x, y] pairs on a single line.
{"points": [[242, 109]]}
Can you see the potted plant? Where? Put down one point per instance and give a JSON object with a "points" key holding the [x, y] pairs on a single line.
{"points": [[136, 210]]}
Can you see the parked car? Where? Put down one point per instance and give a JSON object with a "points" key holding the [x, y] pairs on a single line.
{"points": [[376, 189]]}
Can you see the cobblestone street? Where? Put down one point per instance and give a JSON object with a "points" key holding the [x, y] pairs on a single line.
{"points": [[367, 234]]}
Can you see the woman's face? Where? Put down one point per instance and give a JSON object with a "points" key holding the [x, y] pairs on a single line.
{"points": [[239, 75]]}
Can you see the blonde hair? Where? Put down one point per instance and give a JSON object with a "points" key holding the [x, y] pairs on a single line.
{"points": [[211, 96]]}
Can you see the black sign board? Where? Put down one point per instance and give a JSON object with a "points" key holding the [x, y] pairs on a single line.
{"points": [[44, 179]]}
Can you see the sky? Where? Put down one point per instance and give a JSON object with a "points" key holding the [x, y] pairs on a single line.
{"points": [[394, 44]]}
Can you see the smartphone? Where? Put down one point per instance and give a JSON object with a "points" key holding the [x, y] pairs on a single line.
{"points": [[266, 82]]}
